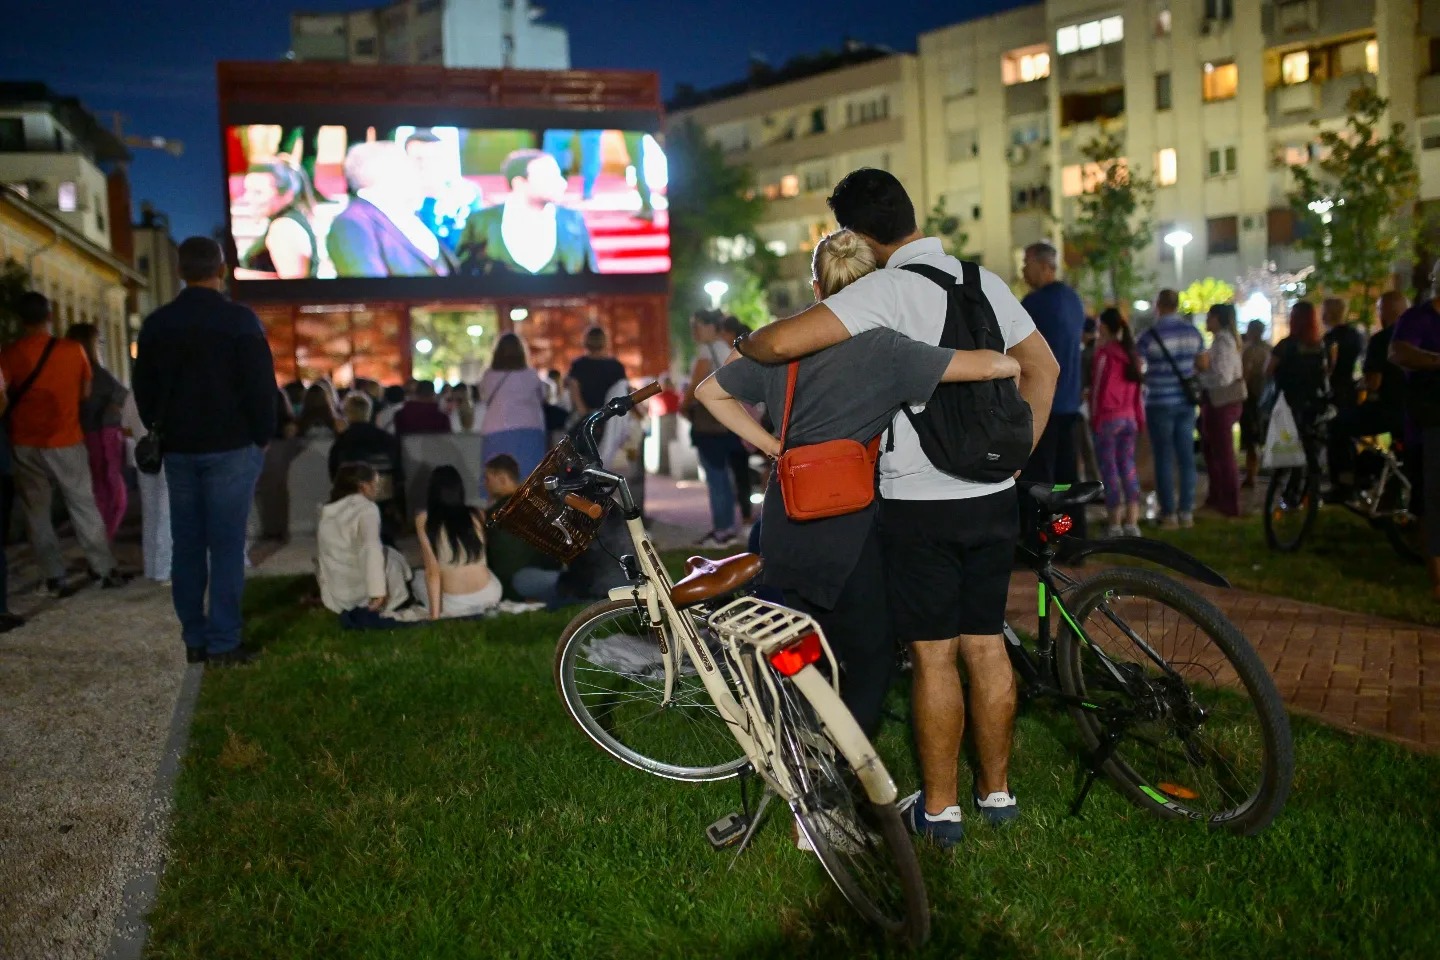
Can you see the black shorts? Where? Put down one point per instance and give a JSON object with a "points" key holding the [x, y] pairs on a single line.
{"points": [[947, 564]]}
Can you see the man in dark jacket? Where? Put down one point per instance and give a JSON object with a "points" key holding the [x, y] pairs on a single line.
{"points": [[205, 381]]}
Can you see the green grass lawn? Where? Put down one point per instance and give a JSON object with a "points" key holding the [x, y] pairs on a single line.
{"points": [[1344, 563], [422, 794]]}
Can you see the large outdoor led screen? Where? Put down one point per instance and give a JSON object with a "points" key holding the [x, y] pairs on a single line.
{"points": [[446, 208]]}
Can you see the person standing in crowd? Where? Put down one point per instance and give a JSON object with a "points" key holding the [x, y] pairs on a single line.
{"points": [[1222, 375], [948, 543], [205, 381], [421, 414], [394, 399], [49, 379], [8, 620], [593, 374], [287, 248], [1059, 315], [318, 418], [1300, 366], [714, 444], [513, 396], [1254, 357], [1169, 350], [1345, 344], [155, 544], [1118, 417], [1384, 408], [104, 439], [1415, 348], [730, 328]]}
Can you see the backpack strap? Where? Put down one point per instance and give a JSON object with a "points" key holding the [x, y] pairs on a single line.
{"points": [[792, 373]]}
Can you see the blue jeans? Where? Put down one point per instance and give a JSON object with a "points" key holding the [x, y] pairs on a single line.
{"points": [[1172, 436], [714, 452], [537, 585], [210, 499]]}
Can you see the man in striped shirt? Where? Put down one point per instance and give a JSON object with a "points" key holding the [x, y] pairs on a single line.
{"points": [[1168, 410]]}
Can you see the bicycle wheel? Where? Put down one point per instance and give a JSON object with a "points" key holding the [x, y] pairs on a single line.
{"points": [[611, 679], [1406, 533], [1291, 503], [862, 846], [1209, 739]]}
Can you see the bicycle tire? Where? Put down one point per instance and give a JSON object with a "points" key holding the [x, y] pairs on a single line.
{"points": [[834, 813], [1405, 533], [1150, 787], [688, 741], [1292, 490]]}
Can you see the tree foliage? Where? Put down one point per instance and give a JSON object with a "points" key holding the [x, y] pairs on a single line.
{"points": [[1201, 295], [1354, 206], [711, 199], [1113, 226], [14, 281], [946, 226]]}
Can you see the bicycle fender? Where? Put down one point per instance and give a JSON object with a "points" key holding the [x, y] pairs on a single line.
{"points": [[847, 735], [1156, 551]]}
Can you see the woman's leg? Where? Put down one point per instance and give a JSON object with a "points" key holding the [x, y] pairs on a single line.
{"points": [[100, 484], [714, 453], [1126, 438], [114, 443], [1106, 467]]}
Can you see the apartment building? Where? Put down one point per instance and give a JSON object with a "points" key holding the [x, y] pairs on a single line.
{"points": [[451, 33], [1211, 98]]}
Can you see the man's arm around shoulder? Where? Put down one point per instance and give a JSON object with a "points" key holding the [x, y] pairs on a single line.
{"points": [[795, 337]]}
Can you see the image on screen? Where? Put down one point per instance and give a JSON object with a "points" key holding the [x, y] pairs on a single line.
{"points": [[323, 202]]}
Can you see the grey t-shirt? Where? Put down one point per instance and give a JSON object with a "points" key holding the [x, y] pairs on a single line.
{"points": [[850, 391]]}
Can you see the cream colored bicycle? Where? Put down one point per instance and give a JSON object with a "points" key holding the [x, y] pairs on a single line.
{"points": [[695, 681]]}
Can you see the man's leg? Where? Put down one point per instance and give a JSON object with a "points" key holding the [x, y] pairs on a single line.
{"points": [[938, 707], [190, 567], [1184, 441], [71, 467], [32, 486], [714, 453], [1162, 433], [228, 488], [992, 709]]}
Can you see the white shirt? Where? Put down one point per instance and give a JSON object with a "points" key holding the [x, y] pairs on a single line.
{"points": [[910, 304], [530, 246], [1225, 365], [406, 221], [350, 559]]}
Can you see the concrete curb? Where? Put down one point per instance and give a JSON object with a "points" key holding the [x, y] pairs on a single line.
{"points": [[138, 896]]}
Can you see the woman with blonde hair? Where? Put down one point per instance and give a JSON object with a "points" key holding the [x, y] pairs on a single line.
{"points": [[831, 568]]}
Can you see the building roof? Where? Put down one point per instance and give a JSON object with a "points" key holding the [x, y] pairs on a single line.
{"points": [[63, 231], [762, 75], [69, 111]]}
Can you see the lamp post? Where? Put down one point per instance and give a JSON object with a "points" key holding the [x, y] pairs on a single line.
{"points": [[1177, 239], [717, 290]]}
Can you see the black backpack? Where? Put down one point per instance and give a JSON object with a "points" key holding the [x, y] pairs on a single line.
{"points": [[981, 432]]}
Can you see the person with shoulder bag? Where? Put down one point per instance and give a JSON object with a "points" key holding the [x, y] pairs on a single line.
{"points": [[1172, 393], [1222, 375]]}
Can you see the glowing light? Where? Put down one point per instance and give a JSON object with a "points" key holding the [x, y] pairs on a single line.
{"points": [[424, 346], [518, 314], [474, 330]]}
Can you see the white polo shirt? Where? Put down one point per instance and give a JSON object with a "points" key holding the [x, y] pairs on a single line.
{"points": [[910, 304]]}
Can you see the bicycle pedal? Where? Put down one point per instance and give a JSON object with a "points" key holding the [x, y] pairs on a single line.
{"points": [[727, 831]]}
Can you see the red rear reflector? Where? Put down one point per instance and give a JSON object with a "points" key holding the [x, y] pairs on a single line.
{"points": [[790, 660], [1062, 526]]}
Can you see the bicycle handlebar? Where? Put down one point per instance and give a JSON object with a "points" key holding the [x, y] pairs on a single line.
{"points": [[584, 434]]}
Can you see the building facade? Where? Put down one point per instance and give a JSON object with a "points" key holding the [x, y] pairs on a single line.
{"points": [[1210, 98], [452, 33], [156, 260]]}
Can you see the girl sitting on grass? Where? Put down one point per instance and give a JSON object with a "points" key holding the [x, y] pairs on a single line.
{"points": [[354, 568], [458, 583]]}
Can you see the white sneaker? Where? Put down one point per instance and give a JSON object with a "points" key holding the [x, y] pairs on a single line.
{"points": [[1187, 521], [1132, 530], [1114, 530], [997, 808]]}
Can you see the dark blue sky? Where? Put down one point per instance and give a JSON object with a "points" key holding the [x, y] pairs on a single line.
{"points": [[155, 61]]}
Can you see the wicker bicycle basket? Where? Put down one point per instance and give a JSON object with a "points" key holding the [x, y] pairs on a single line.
{"points": [[538, 516]]}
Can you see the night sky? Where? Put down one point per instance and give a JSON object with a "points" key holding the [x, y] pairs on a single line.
{"points": [[153, 60]]}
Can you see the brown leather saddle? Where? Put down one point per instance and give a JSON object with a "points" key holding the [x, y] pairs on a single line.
{"points": [[706, 579]]}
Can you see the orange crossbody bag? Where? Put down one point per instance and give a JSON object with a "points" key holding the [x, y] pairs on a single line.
{"points": [[827, 479]]}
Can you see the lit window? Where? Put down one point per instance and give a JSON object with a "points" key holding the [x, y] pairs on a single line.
{"points": [[1067, 40], [1025, 66], [1295, 67], [1070, 185], [1112, 29], [789, 185], [1077, 179], [1372, 57], [1297, 155], [1219, 81], [1166, 164], [1090, 35], [65, 195]]}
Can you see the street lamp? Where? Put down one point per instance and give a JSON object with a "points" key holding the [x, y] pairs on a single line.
{"points": [[1176, 239], [717, 290], [423, 345]]}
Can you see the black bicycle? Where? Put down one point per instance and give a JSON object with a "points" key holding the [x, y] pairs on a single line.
{"points": [[1172, 702]]}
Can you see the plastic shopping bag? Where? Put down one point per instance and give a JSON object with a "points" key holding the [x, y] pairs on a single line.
{"points": [[1283, 447]]}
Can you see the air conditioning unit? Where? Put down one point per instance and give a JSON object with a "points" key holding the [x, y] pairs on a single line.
{"points": [[1017, 154]]}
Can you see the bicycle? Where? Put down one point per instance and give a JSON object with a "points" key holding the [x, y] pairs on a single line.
{"points": [[695, 681], [1383, 495], [1172, 732]]}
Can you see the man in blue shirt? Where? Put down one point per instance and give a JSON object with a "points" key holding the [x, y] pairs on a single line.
{"points": [[1168, 410], [1059, 315]]}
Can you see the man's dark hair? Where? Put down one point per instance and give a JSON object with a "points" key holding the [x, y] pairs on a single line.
{"points": [[734, 326], [395, 394], [201, 259], [1167, 302], [708, 318], [425, 390], [518, 164], [503, 463], [873, 203], [33, 308]]}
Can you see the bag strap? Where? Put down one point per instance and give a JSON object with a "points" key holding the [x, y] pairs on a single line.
{"points": [[18, 394], [1168, 358], [792, 374]]}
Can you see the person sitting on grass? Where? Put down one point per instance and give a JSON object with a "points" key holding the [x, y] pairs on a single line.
{"points": [[514, 561], [458, 583], [354, 569]]}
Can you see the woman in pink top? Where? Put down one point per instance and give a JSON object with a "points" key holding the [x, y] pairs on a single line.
{"points": [[1118, 417], [513, 396]]}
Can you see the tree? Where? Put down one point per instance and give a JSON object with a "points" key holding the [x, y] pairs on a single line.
{"points": [[1354, 206], [1200, 296], [14, 281], [709, 200], [1113, 227], [945, 225]]}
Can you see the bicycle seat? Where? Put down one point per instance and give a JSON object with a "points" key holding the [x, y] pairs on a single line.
{"points": [[713, 578], [1061, 497]]}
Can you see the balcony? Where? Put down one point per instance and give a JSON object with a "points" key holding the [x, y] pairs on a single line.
{"points": [[1296, 98], [1428, 101]]}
